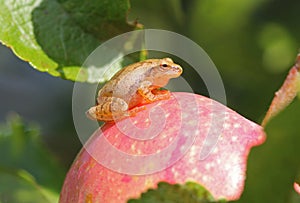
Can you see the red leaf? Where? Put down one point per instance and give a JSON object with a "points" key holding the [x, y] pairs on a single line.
{"points": [[287, 92], [187, 138]]}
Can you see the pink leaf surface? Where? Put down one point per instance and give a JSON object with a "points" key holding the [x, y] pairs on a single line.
{"points": [[297, 187], [186, 138]]}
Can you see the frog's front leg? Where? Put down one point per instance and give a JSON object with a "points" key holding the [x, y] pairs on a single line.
{"points": [[150, 93], [109, 109]]}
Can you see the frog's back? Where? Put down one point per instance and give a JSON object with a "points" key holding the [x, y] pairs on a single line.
{"points": [[126, 70], [126, 82]]}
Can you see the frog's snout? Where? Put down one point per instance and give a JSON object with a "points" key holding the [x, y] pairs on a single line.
{"points": [[177, 69]]}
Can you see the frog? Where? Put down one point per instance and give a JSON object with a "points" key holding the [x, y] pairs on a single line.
{"points": [[135, 85]]}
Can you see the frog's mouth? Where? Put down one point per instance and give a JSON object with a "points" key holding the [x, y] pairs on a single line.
{"points": [[175, 72]]}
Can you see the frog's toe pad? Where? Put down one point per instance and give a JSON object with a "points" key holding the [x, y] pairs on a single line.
{"points": [[91, 113]]}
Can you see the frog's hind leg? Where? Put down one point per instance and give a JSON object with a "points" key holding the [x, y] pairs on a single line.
{"points": [[135, 110], [109, 109]]}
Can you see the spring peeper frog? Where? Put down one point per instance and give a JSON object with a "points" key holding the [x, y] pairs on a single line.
{"points": [[133, 86]]}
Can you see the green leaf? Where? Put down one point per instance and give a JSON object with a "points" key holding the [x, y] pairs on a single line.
{"points": [[273, 166], [57, 36], [21, 148], [19, 186], [167, 193]]}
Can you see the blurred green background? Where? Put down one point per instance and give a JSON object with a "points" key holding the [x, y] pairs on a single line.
{"points": [[253, 43]]}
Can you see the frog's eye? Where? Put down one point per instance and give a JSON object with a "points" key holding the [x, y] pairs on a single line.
{"points": [[164, 67]]}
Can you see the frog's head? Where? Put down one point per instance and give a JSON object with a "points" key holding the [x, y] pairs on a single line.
{"points": [[164, 70]]}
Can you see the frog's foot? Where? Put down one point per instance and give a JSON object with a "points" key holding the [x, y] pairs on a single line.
{"points": [[156, 90], [164, 94], [153, 95], [95, 113], [132, 112]]}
